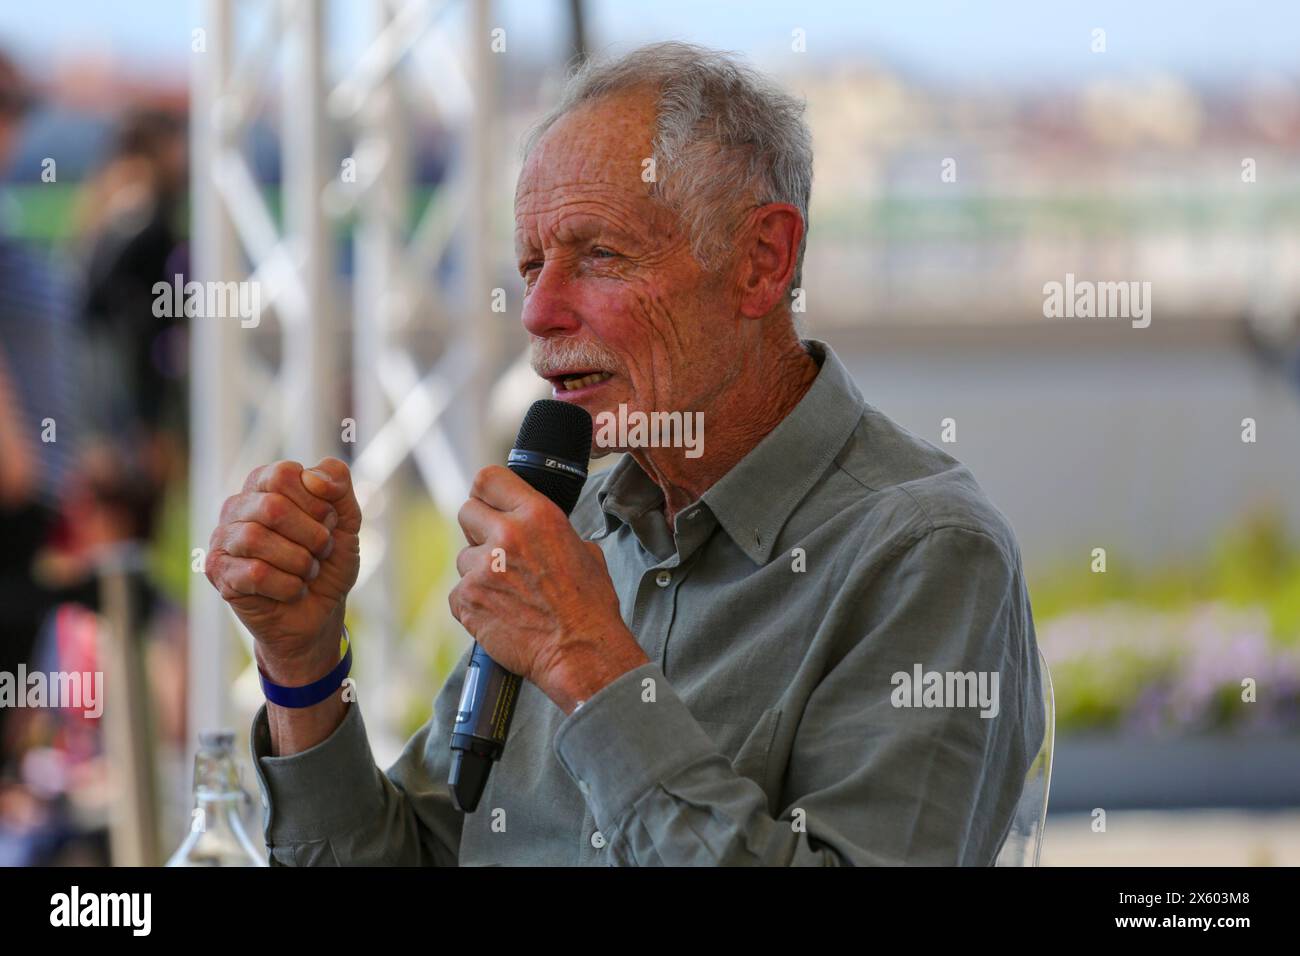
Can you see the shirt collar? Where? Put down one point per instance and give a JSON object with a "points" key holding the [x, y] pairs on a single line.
{"points": [[628, 493], [756, 497]]}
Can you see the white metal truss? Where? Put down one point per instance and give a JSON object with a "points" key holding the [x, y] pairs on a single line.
{"points": [[247, 410]]}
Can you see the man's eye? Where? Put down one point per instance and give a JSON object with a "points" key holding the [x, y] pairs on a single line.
{"points": [[600, 252], [529, 267]]}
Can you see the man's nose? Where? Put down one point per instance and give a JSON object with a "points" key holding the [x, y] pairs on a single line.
{"points": [[549, 307]]}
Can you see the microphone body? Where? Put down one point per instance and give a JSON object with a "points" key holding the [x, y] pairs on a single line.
{"points": [[551, 454]]}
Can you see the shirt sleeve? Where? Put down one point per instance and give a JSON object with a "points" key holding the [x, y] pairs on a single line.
{"points": [[331, 805], [868, 782]]}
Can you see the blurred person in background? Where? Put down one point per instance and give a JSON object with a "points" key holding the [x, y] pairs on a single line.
{"points": [[127, 228], [130, 237], [37, 431], [81, 476]]}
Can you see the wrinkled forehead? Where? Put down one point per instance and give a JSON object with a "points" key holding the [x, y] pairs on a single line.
{"points": [[600, 150]]}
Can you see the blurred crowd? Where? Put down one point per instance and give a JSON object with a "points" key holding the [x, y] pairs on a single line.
{"points": [[93, 425]]}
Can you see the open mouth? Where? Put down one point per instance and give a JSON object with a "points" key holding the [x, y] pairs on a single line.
{"points": [[572, 381]]}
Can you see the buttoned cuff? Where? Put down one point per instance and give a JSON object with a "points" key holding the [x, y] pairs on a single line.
{"points": [[325, 791], [619, 745]]}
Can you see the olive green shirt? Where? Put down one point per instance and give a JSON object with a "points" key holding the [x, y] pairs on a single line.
{"points": [[769, 726]]}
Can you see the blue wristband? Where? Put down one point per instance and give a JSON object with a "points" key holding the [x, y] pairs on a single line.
{"points": [[309, 694]]}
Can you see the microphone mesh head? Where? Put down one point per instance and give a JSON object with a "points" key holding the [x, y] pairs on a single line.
{"points": [[560, 430]]}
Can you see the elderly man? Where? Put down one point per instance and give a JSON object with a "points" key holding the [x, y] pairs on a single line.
{"points": [[766, 654]]}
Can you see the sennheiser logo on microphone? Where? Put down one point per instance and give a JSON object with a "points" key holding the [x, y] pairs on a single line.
{"points": [[532, 459], [558, 465]]}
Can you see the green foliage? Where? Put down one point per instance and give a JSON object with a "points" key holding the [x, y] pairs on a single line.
{"points": [[1258, 565], [1252, 565], [1166, 648], [170, 561]]}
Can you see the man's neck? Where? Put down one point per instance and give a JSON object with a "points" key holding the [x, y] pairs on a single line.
{"points": [[735, 424]]}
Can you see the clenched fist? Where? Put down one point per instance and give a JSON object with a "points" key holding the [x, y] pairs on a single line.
{"points": [[284, 557]]}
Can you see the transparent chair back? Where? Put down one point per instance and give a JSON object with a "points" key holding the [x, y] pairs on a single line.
{"points": [[1025, 841]]}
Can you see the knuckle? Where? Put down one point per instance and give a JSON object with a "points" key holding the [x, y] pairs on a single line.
{"points": [[481, 479], [508, 538], [249, 537], [283, 472], [544, 511], [258, 573], [273, 508]]}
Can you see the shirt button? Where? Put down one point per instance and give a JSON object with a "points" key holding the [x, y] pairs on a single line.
{"points": [[582, 786], [664, 578]]}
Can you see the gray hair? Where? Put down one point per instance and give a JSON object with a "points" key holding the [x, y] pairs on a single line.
{"points": [[727, 137]]}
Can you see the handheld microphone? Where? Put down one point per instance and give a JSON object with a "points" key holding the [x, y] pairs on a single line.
{"points": [[551, 454]]}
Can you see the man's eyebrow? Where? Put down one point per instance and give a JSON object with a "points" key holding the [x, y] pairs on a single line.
{"points": [[578, 229], [525, 243], [590, 226]]}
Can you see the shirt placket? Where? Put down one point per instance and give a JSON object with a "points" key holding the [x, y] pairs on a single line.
{"points": [[653, 613]]}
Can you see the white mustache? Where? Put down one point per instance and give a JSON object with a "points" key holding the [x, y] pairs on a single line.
{"points": [[551, 356]]}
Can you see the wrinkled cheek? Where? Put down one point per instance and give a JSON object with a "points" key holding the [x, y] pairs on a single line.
{"points": [[658, 350]]}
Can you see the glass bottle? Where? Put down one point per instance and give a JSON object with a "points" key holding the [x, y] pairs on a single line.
{"points": [[217, 836]]}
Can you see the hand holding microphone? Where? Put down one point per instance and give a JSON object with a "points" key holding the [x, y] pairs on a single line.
{"points": [[536, 597]]}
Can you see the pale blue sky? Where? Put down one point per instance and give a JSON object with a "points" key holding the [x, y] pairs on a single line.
{"points": [[1015, 41]]}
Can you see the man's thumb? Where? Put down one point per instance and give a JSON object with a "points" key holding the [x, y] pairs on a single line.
{"points": [[332, 481]]}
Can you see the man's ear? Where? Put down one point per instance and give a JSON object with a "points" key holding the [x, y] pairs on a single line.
{"points": [[769, 251]]}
